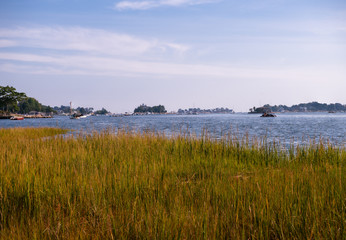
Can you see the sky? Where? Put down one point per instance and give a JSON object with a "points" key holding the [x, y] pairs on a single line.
{"points": [[118, 54]]}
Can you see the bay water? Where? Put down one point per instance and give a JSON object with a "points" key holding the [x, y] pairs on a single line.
{"points": [[286, 128]]}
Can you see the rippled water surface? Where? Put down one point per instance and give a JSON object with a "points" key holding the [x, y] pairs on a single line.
{"points": [[286, 127]]}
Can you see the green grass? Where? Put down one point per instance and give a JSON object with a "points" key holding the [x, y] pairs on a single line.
{"points": [[148, 186]]}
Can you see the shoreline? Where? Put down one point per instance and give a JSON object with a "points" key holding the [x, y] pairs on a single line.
{"points": [[24, 116]]}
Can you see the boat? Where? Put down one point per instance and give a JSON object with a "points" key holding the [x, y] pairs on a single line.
{"points": [[17, 118], [268, 115], [76, 115]]}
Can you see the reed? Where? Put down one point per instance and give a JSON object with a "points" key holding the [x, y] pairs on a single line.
{"points": [[146, 186]]}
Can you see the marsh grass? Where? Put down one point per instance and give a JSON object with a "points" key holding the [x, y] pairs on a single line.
{"points": [[146, 186]]}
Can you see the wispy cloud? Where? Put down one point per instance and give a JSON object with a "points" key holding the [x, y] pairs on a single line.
{"points": [[148, 4], [117, 67], [6, 43], [94, 52], [86, 40]]}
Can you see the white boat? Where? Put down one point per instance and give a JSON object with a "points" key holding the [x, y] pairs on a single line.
{"points": [[76, 115]]}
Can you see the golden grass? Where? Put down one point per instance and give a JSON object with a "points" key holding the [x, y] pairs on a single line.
{"points": [[144, 185]]}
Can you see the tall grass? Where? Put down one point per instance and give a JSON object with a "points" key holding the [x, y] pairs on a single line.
{"points": [[144, 185]]}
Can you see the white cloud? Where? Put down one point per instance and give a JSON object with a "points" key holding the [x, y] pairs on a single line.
{"points": [[83, 51], [106, 66], [26, 57], [6, 43], [86, 40], [48, 50], [147, 4]]}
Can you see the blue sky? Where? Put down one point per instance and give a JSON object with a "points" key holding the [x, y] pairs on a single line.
{"points": [[179, 53]]}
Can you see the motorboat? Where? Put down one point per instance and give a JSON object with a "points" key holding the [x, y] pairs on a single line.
{"points": [[76, 115], [17, 118], [268, 115]]}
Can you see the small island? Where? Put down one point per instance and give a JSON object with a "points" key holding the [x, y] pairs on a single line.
{"points": [[144, 109], [196, 111], [302, 107]]}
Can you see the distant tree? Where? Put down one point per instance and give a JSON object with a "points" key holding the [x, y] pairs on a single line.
{"points": [[82, 110], [158, 109], [146, 109], [302, 107], [9, 97], [142, 109], [85, 110], [29, 104], [49, 109], [338, 107], [64, 109], [103, 111]]}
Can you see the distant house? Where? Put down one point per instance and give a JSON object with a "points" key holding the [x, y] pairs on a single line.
{"points": [[261, 110], [33, 113]]}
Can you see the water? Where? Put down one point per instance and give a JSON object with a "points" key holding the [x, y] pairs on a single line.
{"points": [[286, 127]]}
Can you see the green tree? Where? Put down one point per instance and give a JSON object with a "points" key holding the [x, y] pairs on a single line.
{"points": [[102, 112], [142, 109], [158, 109], [49, 109], [30, 104], [145, 109], [9, 97]]}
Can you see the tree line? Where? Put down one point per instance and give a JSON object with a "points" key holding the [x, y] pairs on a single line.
{"points": [[302, 107], [18, 102], [147, 109]]}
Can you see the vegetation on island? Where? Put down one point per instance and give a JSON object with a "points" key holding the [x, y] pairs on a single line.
{"points": [[31, 104], [302, 107], [129, 185], [103, 111], [146, 109], [12, 101], [17, 102], [205, 111], [9, 98], [66, 110], [80, 110]]}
